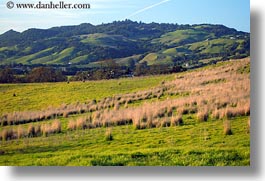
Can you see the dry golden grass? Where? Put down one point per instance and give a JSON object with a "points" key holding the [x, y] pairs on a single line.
{"points": [[31, 131], [176, 120], [227, 127], [202, 115], [56, 126], [116, 106], [165, 122], [108, 134], [4, 134], [81, 123], [220, 92], [71, 125], [21, 132], [65, 114], [248, 126], [37, 130], [8, 134]]}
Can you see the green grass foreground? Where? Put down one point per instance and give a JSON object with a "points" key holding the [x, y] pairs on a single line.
{"points": [[193, 144]]}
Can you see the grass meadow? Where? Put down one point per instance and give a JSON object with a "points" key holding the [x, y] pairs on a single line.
{"points": [[40, 96], [195, 118]]}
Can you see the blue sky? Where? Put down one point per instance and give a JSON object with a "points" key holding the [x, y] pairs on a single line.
{"points": [[231, 13]]}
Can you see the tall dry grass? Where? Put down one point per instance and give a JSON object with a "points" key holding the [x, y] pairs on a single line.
{"points": [[203, 115], [227, 127], [108, 134], [248, 126], [176, 120], [220, 93], [21, 133]]}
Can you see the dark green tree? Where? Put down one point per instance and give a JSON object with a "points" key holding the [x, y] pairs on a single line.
{"points": [[45, 74], [7, 76], [141, 69]]}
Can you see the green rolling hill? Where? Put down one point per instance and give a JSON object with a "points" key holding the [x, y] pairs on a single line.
{"points": [[123, 41]]}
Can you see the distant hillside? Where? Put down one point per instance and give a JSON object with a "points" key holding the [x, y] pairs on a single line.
{"points": [[123, 41]]}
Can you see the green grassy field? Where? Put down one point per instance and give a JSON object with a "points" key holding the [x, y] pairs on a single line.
{"points": [[42, 95], [189, 145], [193, 143]]}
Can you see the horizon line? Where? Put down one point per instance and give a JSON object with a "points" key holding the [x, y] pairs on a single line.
{"points": [[104, 23]]}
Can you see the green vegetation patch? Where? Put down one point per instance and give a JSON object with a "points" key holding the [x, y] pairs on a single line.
{"points": [[193, 144], [43, 95]]}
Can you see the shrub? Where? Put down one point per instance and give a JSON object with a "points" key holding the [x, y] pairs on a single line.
{"points": [[137, 125], [159, 112], [169, 111], [81, 123], [8, 134], [31, 131], [183, 110], [4, 135], [41, 116], [193, 110], [176, 121], [234, 112], [216, 114], [247, 110], [116, 107], [20, 132], [90, 126], [136, 118], [126, 104], [202, 116], [122, 121], [108, 135], [165, 122], [143, 126], [227, 128], [248, 128], [56, 127], [65, 114], [150, 124], [71, 125], [43, 129], [12, 134], [37, 130]]}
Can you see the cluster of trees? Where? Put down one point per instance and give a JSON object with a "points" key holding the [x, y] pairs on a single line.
{"points": [[111, 70], [39, 74]]}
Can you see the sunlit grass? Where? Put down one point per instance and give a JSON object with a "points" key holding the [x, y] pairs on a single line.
{"points": [[43, 95]]}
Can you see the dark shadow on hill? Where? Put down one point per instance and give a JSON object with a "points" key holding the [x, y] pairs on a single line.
{"points": [[180, 172]]}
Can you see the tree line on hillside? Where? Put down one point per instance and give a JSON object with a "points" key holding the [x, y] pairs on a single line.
{"points": [[39, 74], [109, 70]]}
